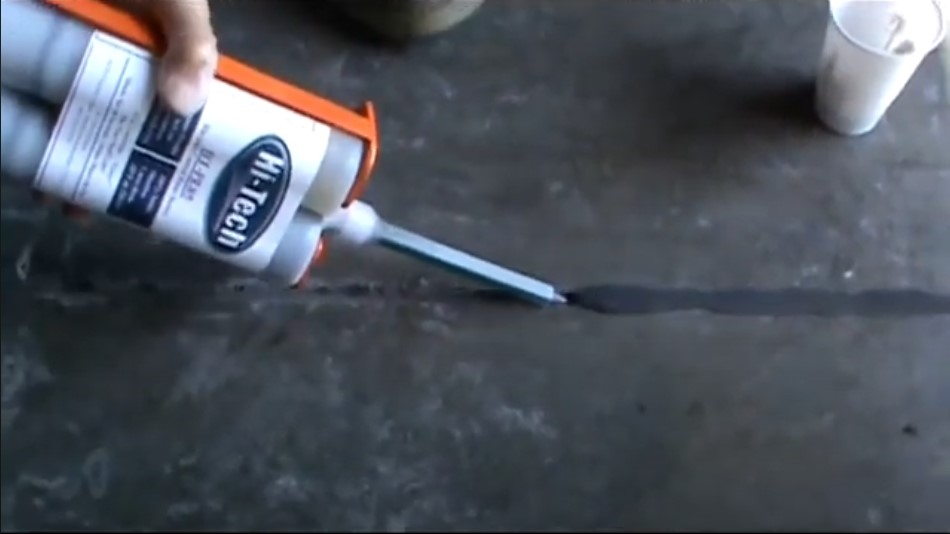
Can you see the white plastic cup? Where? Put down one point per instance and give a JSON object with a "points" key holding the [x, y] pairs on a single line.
{"points": [[872, 49]]}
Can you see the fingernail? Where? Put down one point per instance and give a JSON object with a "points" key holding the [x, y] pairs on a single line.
{"points": [[184, 95]]}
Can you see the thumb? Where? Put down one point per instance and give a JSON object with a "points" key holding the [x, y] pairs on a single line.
{"points": [[191, 55], [186, 73]]}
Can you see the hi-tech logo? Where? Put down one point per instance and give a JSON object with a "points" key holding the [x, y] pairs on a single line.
{"points": [[248, 194]]}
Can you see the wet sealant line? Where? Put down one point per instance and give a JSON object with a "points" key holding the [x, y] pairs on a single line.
{"points": [[640, 300], [608, 299]]}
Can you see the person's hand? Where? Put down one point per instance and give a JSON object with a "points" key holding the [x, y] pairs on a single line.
{"points": [[191, 57], [191, 54], [188, 64]]}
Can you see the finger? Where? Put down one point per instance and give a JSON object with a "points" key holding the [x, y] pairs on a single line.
{"points": [[191, 56]]}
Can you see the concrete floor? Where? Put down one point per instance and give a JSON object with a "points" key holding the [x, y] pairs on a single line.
{"points": [[660, 143]]}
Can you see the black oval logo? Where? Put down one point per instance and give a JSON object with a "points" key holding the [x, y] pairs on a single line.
{"points": [[247, 195]]}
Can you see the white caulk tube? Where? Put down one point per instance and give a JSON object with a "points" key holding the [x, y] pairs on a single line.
{"points": [[43, 50], [26, 129], [27, 125], [242, 167]]}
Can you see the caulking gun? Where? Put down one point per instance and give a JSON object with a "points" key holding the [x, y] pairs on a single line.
{"points": [[258, 178]]}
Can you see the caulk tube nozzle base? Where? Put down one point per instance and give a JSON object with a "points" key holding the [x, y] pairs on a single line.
{"points": [[355, 224], [295, 251]]}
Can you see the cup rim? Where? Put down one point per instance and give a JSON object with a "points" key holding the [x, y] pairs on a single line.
{"points": [[941, 29]]}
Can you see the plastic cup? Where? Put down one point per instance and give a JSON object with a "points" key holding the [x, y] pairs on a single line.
{"points": [[872, 49]]}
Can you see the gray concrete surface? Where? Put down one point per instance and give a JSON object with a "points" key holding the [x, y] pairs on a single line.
{"points": [[660, 143]]}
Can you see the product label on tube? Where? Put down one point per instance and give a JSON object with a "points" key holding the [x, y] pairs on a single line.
{"points": [[225, 181]]}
